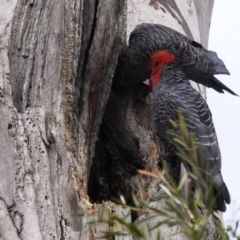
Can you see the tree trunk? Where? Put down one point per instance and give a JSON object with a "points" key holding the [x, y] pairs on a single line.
{"points": [[57, 60]]}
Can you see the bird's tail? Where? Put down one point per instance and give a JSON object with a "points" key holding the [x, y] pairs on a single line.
{"points": [[222, 193], [219, 86], [220, 67]]}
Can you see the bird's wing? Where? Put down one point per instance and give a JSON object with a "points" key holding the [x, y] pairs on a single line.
{"points": [[197, 118]]}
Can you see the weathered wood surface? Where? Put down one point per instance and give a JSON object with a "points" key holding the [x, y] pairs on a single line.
{"points": [[57, 60]]}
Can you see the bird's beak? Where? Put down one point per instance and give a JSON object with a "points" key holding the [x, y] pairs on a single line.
{"points": [[147, 82]]}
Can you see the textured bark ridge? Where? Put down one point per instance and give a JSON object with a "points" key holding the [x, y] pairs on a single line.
{"points": [[57, 60], [56, 74]]}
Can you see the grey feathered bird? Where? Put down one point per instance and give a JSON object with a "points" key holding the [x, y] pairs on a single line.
{"points": [[195, 61], [173, 93]]}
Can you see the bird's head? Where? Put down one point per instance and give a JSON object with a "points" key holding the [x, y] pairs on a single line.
{"points": [[158, 59]]}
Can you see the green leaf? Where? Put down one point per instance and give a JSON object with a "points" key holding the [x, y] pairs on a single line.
{"points": [[158, 237], [182, 182], [132, 228]]}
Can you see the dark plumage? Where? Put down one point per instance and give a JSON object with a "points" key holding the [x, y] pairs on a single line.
{"points": [[196, 62], [173, 93]]}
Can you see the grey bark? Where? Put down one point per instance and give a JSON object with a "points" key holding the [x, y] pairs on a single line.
{"points": [[57, 60]]}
